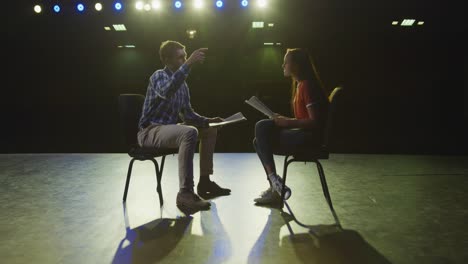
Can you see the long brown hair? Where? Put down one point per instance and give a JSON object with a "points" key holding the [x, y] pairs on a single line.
{"points": [[306, 70]]}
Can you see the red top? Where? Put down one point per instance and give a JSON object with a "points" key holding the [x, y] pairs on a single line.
{"points": [[309, 96], [302, 100]]}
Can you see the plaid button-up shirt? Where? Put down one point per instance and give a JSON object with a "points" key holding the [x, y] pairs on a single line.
{"points": [[168, 99]]}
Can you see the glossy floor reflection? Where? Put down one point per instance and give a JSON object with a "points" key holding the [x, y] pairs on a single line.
{"points": [[66, 208]]}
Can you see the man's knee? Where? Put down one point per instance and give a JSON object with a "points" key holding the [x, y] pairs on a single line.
{"points": [[191, 134]]}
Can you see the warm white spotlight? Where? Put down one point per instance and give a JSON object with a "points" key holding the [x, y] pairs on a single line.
{"points": [[191, 33], [107, 28], [198, 4], [37, 9], [395, 23], [271, 24], [268, 43], [420, 23], [262, 3], [156, 4], [139, 5], [130, 46], [147, 7], [98, 6]]}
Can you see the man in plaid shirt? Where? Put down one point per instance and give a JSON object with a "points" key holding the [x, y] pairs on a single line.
{"points": [[167, 100]]}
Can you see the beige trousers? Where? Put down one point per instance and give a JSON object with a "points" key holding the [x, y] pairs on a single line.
{"points": [[185, 138]]}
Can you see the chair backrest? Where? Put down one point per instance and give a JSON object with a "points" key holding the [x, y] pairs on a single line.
{"points": [[130, 107], [334, 98]]}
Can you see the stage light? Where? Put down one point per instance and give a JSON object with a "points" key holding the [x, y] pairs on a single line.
{"points": [[139, 5], [130, 46], [56, 8], [80, 7], [107, 28], [156, 4], [420, 23], [394, 23], [261, 3], [278, 43], [245, 3], [119, 27], [147, 7], [268, 43], [257, 24], [219, 3], [178, 4], [37, 9], [198, 4], [98, 6], [191, 33], [407, 22], [118, 6]]}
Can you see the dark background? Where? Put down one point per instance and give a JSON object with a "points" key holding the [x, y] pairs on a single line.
{"points": [[406, 88]]}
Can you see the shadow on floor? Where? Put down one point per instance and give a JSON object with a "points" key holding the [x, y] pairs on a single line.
{"points": [[324, 245], [156, 240]]}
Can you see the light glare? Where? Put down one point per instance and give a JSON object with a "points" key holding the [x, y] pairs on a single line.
{"points": [[37, 9], [262, 3], [198, 4], [156, 4], [80, 7], [118, 6], [139, 5]]}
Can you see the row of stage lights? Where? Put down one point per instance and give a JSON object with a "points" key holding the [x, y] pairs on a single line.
{"points": [[156, 5]]}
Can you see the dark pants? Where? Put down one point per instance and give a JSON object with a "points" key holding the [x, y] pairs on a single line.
{"points": [[270, 139]]}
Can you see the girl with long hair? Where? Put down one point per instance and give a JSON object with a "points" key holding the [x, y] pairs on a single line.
{"points": [[309, 102]]}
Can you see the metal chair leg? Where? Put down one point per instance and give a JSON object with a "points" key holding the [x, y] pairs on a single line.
{"points": [[161, 167], [326, 193], [158, 180], [129, 173], [285, 171]]}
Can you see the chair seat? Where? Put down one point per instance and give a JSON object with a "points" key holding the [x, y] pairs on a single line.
{"points": [[144, 152], [308, 154]]}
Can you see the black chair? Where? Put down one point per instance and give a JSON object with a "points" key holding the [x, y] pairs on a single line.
{"points": [[130, 108], [315, 154]]}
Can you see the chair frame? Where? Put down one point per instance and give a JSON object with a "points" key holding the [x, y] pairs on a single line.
{"points": [[324, 154], [290, 159], [159, 172], [144, 154]]}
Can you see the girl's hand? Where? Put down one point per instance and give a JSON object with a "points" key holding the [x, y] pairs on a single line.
{"points": [[281, 121]]}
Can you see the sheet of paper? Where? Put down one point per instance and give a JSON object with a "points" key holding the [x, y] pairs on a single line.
{"points": [[237, 117]]}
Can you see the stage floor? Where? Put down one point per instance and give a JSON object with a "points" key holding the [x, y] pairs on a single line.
{"points": [[67, 208]]}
